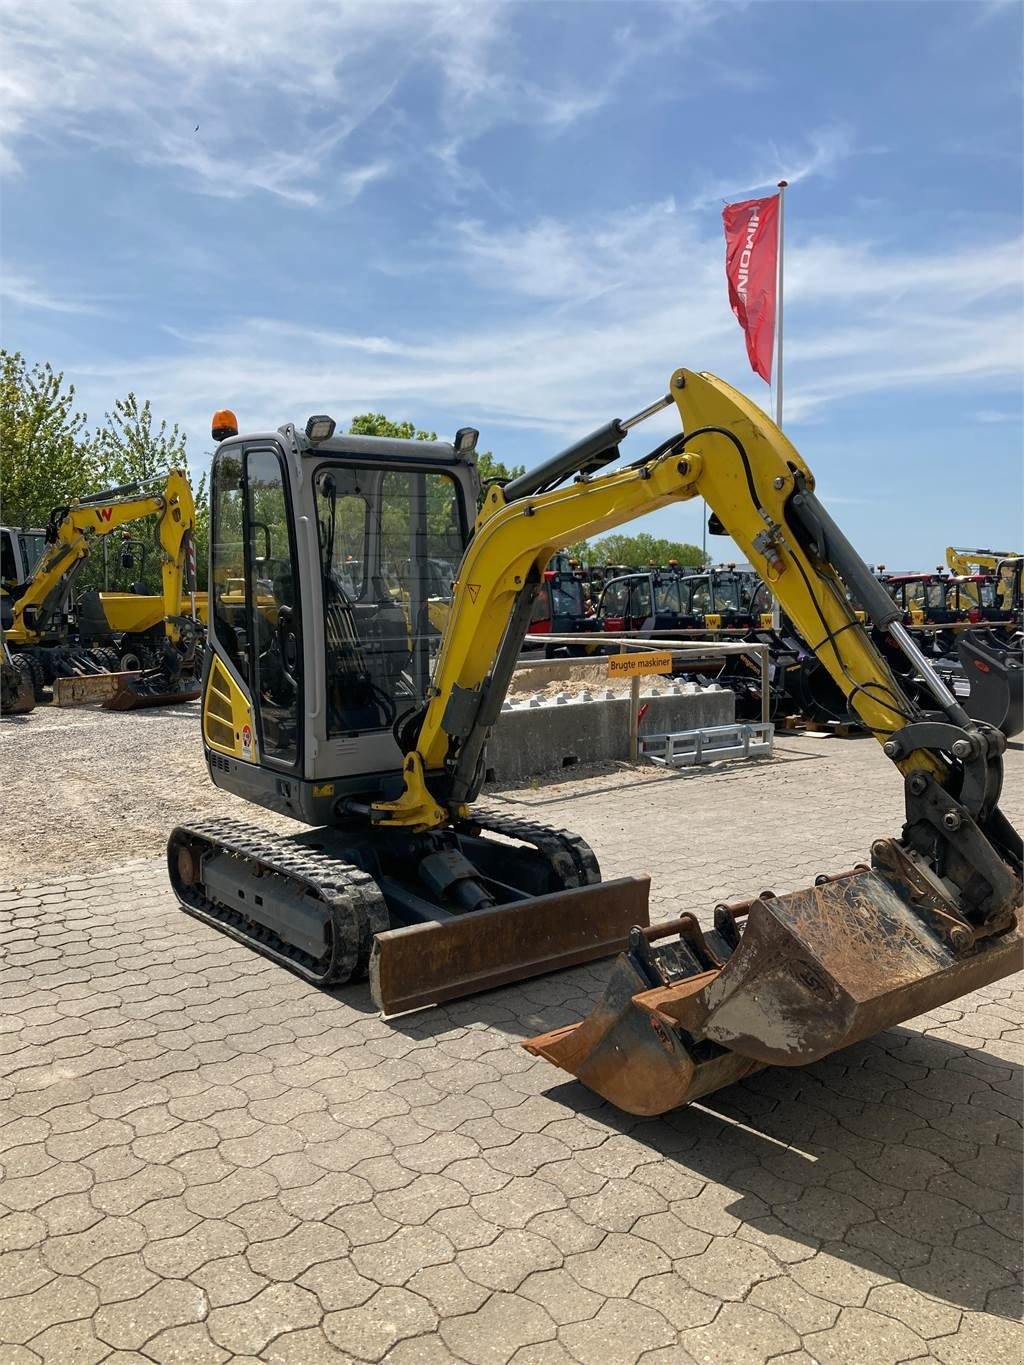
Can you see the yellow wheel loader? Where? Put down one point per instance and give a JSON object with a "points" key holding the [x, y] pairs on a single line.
{"points": [[339, 706], [36, 612]]}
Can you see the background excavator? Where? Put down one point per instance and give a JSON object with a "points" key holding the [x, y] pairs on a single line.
{"points": [[337, 706], [37, 616]]}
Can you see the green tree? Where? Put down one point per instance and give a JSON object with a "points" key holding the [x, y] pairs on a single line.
{"points": [[201, 493], [44, 461], [640, 550], [376, 424], [490, 469], [127, 448]]}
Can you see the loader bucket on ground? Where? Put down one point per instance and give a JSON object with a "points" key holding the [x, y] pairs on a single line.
{"points": [[424, 964], [995, 671], [803, 975], [122, 691]]}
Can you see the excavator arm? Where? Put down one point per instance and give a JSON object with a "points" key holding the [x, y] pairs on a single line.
{"points": [[68, 534], [779, 980], [963, 561]]}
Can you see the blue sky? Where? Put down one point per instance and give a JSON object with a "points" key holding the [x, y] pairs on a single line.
{"points": [[508, 216]]}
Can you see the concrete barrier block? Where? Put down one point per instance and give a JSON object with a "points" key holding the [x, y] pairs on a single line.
{"points": [[543, 735]]}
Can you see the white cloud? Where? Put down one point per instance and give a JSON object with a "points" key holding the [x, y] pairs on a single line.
{"points": [[589, 324], [23, 291], [230, 94], [821, 153], [991, 416]]}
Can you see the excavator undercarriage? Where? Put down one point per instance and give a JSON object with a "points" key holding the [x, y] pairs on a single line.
{"points": [[331, 695]]}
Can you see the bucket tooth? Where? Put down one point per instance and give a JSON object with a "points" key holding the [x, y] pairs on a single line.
{"points": [[813, 971], [425, 964]]}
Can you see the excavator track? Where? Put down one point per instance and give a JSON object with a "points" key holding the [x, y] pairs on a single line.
{"points": [[300, 904], [338, 896], [571, 859]]}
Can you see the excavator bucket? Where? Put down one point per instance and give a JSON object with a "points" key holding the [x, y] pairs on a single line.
{"points": [[153, 691], [780, 981], [995, 671]]}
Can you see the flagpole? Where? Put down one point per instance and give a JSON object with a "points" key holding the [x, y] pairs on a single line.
{"points": [[778, 333], [776, 607]]}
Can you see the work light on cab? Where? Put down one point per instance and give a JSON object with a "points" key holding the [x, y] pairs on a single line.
{"points": [[319, 429]]}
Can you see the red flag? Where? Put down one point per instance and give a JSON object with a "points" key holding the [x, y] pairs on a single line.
{"points": [[751, 256]]}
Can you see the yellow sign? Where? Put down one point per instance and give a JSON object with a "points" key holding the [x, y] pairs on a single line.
{"points": [[638, 665]]}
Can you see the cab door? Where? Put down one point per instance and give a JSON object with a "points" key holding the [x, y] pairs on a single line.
{"points": [[275, 635], [252, 707]]}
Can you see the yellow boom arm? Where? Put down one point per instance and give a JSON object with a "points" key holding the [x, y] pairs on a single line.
{"points": [[46, 590], [747, 471], [963, 561]]}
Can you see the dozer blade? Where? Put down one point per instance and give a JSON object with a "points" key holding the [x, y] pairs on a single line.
{"points": [[811, 972], [425, 964], [995, 671]]}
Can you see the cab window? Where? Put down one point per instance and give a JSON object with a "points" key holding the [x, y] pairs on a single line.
{"points": [[613, 602], [640, 602], [700, 598], [666, 597]]}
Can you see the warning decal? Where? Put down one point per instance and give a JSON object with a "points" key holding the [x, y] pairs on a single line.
{"points": [[473, 589]]}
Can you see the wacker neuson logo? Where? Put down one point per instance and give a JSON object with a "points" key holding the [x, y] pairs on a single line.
{"points": [[744, 270]]}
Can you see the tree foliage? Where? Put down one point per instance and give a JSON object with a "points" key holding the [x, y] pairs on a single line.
{"points": [[44, 461], [637, 551], [47, 459], [490, 469], [127, 448], [376, 424]]}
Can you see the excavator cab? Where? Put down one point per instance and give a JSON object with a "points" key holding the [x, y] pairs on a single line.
{"points": [[321, 586]]}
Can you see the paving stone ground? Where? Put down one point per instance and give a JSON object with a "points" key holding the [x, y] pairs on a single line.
{"points": [[205, 1160]]}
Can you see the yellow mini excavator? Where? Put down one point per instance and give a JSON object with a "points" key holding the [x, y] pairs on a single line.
{"points": [[329, 698], [36, 611]]}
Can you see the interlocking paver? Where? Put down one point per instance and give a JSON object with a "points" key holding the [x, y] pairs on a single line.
{"points": [[492, 1335], [386, 1318], [861, 1337], [70, 1343], [741, 1334], [206, 1160]]}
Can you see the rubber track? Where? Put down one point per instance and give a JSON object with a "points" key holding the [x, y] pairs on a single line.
{"points": [[357, 909], [555, 845]]}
